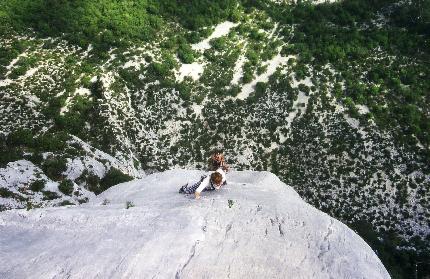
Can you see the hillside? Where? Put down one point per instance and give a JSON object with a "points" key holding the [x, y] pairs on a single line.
{"points": [[254, 227], [46, 179], [331, 96]]}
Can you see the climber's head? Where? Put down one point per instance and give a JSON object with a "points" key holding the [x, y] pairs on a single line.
{"points": [[216, 178]]}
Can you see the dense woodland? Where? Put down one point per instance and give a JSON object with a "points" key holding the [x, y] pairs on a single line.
{"points": [[347, 36]]}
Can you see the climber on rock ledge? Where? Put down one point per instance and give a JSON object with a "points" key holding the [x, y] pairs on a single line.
{"points": [[211, 182]]}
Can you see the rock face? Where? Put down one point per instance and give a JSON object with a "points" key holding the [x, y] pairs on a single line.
{"points": [[254, 227]]}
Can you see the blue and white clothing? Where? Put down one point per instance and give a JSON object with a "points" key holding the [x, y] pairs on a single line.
{"points": [[204, 184]]}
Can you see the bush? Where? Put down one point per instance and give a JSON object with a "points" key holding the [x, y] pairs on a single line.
{"points": [[48, 195], [97, 88], [185, 54], [129, 204], [37, 185], [54, 167], [35, 158], [9, 155], [6, 193], [113, 177], [305, 89], [52, 141], [93, 182], [260, 89], [84, 200], [158, 70], [66, 202], [247, 75], [184, 91], [66, 187], [21, 137], [219, 44]]}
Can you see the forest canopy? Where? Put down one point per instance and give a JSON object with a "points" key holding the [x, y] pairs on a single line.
{"points": [[107, 22]]}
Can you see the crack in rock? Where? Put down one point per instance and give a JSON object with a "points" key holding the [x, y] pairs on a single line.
{"points": [[329, 230], [281, 231], [193, 252], [228, 228], [326, 239]]}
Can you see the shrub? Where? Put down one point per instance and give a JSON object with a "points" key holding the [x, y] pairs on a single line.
{"points": [[97, 88], [6, 193], [66, 187], [35, 158], [9, 155], [184, 91], [260, 89], [113, 177], [21, 137], [158, 70], [66, 202], [37, 185], [247, 75], [129, 204], [48, 195], [93, 182], [52, 141], [17, 72], [219, 43], [185, 54], [54, 167], [84, 200], [29, 206]]}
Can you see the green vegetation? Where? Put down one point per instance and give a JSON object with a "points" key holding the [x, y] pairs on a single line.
{"points": [[358, 55], [395, 91], [54, 167], [74, 120], [8, 155], [49, 195], [400, 263], [26, 139], [83, 200], [186, 54], [129, 204], [66, 187], [113, 177], [107, 23], [6, 193], [37, 185], [65, 202]]}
